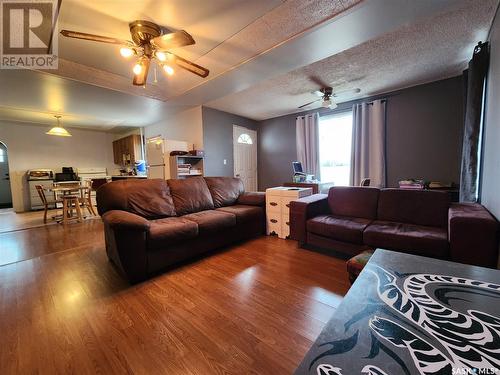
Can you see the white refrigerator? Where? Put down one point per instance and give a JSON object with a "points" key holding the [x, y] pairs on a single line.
{"points": [[155, 151], [158, 156]]}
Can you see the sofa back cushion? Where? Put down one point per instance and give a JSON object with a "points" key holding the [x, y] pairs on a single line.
{"points": [[147, 198], [224, 190], [353, 201], [190, 195], [428, 208]]}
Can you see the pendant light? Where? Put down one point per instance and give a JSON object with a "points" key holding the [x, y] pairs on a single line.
{"points": [[58, 129]]}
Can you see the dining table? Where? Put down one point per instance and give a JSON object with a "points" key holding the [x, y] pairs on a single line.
{"points": [[68, 203]]}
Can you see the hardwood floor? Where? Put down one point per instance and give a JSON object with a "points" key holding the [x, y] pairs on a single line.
{"points": [[254, 308]]}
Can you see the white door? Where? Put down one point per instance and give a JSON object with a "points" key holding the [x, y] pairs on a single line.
{"points": [[5, 193], [245, 156]]}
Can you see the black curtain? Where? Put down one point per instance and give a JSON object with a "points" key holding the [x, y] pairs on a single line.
{"points": [[475, 78]]}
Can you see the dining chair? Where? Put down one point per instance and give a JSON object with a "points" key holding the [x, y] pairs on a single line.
{"points": [[85, 199], [41, 193], [70, 202]]}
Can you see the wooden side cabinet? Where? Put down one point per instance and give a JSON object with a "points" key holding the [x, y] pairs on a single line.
{"points": [[127, 150]]}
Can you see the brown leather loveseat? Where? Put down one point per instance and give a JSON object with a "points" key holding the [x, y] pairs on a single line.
{"points": [[352, 219], [151, 224]]}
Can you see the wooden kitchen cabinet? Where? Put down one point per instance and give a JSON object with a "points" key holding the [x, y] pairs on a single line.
{"points": [[128, 148]]}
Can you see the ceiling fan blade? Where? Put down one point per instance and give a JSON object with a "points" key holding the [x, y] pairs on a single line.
{"points": [[94, 38], [318, 81], [314, 101], [346, 92], [141, 78], [189, 66], [173, 40]]}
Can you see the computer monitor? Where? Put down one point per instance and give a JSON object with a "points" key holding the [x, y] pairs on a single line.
{"points": [[297, 167]]}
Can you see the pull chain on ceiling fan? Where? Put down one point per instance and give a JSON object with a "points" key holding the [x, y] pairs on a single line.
{"points": [[149, 42]]}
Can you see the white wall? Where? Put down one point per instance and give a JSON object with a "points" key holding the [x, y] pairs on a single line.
{"points": [[490, 187], [185, 126], [29, 147]]}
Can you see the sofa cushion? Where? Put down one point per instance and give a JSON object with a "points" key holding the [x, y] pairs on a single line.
{"points": [[353, 201], [409, 238], [164, 232], [244, 214], [340, 228], [190, 195], [147, 198], [212, 221], [224, 190], [429, 208]]}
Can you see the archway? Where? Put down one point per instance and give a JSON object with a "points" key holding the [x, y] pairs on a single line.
{"points": [[5, 192]]}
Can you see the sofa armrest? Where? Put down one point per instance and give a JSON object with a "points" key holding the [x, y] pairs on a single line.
{"points": [[117, 219], [252, 198], [302, 210], [473, 235], [126, 243]]}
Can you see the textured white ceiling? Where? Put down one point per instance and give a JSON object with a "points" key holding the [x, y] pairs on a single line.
{"points": [[227, 32], [433, 48]]}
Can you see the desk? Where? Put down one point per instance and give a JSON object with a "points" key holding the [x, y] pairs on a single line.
{"points": [[403, 307]]}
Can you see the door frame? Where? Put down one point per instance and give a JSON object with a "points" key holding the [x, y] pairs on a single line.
{"points": [[9, 175], [255, 144]]}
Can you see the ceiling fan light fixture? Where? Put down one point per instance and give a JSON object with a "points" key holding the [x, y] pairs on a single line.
{"points": [[58, 130], [162, 56], [333, 105], [137, 69], [126, 52], [168, 69], [326, 103]]}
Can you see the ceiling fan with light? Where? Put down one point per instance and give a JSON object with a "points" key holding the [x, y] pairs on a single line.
{"points": [[326, 94], [149, 42]]}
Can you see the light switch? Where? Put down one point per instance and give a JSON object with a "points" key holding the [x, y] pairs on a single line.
{"points": [[225, 161]]}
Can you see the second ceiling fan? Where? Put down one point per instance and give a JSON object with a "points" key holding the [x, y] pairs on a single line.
{"points": [[326, 94], [149, 42]]}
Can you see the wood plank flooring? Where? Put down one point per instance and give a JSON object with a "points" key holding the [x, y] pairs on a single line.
{"points": [[253, 308]]}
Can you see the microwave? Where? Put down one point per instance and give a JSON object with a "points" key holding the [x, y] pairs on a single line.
{"points": [[66, 176], [40, 174]]}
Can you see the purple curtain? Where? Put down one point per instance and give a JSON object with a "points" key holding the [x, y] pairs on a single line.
{"points": [[308, 143]]}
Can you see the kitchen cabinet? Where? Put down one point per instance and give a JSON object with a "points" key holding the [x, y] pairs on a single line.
{"points": [[127, 150]]}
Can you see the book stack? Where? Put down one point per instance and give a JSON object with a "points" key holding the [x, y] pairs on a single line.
{"points": [[412, 184], [183, 168]]}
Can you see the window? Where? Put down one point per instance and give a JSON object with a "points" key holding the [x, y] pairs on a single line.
{"points": [[245, 138], [335, 138], [2, 155]]}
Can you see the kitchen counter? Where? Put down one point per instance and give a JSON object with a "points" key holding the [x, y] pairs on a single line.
{"points": [[116, 178]]}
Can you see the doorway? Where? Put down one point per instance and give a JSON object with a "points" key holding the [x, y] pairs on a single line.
{"points": [[5, 192], [245, 156]]}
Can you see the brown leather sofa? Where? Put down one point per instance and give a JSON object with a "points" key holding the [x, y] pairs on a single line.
{"points": [[151, 224], [350, 220]]}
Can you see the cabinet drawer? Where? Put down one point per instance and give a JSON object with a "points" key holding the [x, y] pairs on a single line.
{"points": [[285, 226], [286, 204], [273, 223], [273, 203]]}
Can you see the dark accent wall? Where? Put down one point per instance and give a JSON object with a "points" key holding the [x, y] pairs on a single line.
{"points": [[218, 140], [424, 135]]}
